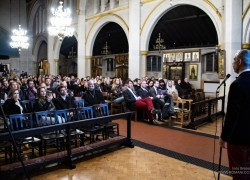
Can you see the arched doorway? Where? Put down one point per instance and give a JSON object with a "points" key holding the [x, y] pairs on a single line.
{"points": [[68, 57], [43, 64], [186, 29], [115, 38]]}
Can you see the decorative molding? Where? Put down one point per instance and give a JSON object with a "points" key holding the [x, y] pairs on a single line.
{"points": [[56, 60], [245, 11], [147, 1], [89, 57], [150, 15], [34, 62], [144, 52], [78, 7], [219, 46], [107, 13], [55, 42], [245, 45], [100, 18], [214, 8]]}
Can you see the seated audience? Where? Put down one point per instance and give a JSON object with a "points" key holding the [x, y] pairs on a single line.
{"points": [[30, 92], [13, 105], [144, 93], [134, 102], [64, 101], [92, 95], [117, 91], [171, 87], [186, 85]]}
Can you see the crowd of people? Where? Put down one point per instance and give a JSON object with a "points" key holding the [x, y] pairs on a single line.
{"points": [[56, 93]]}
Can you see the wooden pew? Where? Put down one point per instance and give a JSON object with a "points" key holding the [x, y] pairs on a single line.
{"points": [[70, 153]]}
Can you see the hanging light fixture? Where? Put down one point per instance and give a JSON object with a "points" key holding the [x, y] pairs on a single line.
{"points": [[60, 22], [159, 46], [106, 50], [19, 38]]}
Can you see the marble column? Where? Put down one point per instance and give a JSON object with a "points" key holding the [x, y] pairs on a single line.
{"points": [[143, 63], [35, 67], [81, 52], [232, 22], [56, 66], [88, 66], [134, 39]]}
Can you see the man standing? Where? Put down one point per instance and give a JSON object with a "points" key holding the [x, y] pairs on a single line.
{"points": [[235, 134]]}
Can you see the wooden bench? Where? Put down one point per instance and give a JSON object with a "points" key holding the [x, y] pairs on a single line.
{"points": [[70, 153]]}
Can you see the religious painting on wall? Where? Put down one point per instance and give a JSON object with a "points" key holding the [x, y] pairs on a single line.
{"points": [[175, 73], [221, 64], [166, 57], [179, 56], [196, 56], [121, 59], [193, 72], [187, 57]]}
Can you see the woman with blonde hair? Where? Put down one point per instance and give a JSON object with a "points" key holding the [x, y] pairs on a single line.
{"points": [[117, 91], [13, 105]]}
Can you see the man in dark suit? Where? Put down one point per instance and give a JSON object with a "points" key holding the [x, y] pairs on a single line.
{"points": [[134, 102], [185, 85], [63, 101], [144, 93], [235, 134]]}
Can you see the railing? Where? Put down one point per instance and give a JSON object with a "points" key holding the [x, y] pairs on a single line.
{"points": [[70, 152], [207, 106]]}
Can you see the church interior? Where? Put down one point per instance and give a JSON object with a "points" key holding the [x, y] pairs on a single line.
{"points": [[141, 40]]}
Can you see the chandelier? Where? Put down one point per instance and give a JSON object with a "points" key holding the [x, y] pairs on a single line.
{"points": [[72, 54], [159, 46], [19, 38], [60, 22], [106, 50]]}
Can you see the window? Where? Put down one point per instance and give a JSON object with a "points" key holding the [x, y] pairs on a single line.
{"points": [[153, 63], [210, 63]]}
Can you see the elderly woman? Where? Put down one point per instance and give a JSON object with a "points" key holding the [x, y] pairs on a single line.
{"points": [[13, 105]]}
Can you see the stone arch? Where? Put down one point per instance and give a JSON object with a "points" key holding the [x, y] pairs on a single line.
{"points": [[98, 25], [246, 28], [37, 44], [165, 7], [33, 13]]}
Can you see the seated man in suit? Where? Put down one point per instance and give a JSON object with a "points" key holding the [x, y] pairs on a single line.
{"points": [[154, 94], [92, 95], [64, 101], [134, 102]]}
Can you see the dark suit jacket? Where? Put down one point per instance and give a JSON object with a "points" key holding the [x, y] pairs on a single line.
{"points": [[153, 93], [236, 129], [143, 93], [185, 85], [129, 99], [60, 103]]}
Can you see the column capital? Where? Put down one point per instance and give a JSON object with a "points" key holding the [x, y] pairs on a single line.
{"points": [[56, 60], [144, 52], [34, 62], [219, 46], [89, 57], [245, 45]]}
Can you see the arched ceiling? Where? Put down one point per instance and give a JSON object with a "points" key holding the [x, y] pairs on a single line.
{"points": [[113, 34], [67, 44], [185, 27]]}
